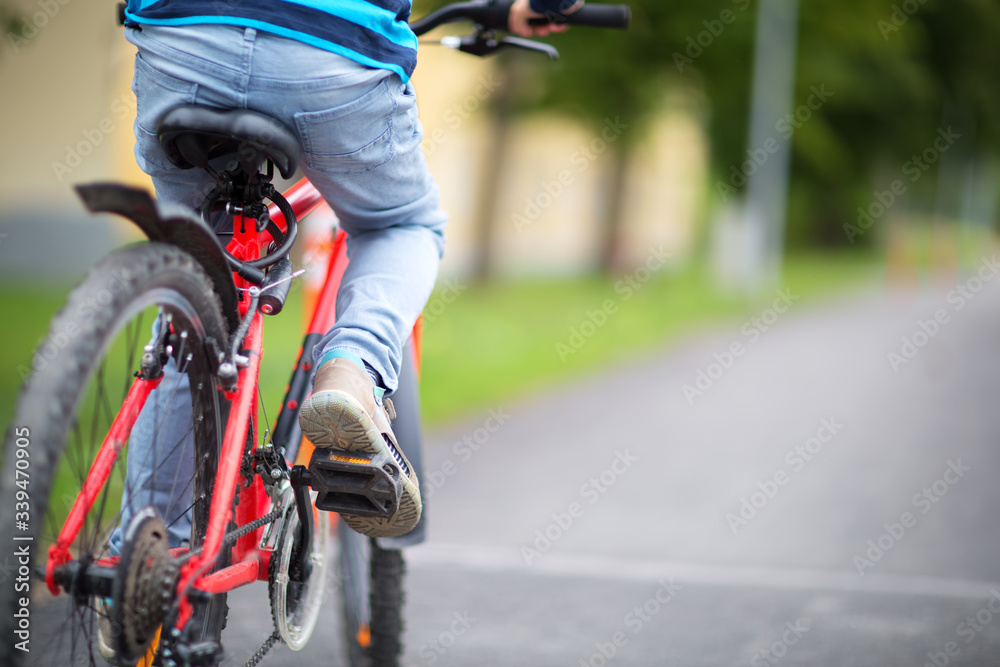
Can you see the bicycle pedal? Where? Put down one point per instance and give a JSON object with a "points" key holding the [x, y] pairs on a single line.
{"points": [[355, 483], [200, 654]]}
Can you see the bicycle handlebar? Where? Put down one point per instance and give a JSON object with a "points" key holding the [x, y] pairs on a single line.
{"points": [[595, 16], [492, 15]]}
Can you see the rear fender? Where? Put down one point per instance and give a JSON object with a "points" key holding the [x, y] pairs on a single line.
{"points": [[171, 224]]}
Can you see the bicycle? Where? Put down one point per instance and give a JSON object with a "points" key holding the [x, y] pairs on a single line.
{"points": [[260, 501]]}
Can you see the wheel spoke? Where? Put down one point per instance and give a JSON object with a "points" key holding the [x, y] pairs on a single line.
{"points": [[171, 466], [179, 516]]}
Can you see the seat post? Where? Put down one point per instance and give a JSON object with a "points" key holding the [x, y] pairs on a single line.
{"points": [[241, 194]]}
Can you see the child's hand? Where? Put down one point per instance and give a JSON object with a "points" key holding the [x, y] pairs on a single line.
{"points": [[521, 11]]}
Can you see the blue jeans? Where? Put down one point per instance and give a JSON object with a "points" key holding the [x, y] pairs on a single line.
{"points": [[160, 463], [361, 140], [361, 149]]}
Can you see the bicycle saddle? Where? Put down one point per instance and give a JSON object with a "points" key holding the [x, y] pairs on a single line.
{"points": [[191, 135]]}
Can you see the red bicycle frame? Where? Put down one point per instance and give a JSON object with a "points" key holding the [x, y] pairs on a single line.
{"points": [[249, 563]]}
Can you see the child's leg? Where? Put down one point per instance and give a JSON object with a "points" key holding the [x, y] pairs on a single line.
{"points": [[390, 211], [160, 464], [378, 183]]}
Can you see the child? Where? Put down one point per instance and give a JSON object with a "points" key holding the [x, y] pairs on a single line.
{"points": [[337, 73]]}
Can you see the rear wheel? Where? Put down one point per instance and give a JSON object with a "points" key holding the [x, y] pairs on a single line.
{"points": [[148, 294]]}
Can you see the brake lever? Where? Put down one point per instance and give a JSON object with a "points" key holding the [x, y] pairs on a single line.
{"points": [[485, 43], [531, 45]]}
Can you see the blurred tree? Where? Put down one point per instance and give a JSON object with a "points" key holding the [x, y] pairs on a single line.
{"points": [[12, 25], [494, 161], [876, 81], [899, 72], [619, 80], [611, 80]]}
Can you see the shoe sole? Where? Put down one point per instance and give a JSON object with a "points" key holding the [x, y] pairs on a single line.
{"points": [[335, 420]]}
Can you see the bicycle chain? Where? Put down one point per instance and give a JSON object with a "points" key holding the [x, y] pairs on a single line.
{"points": [[262, 651], [234, 535], [230, 539], [275, 635], [253, 525]]}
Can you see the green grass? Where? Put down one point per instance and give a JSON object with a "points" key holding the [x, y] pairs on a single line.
{"points": [[496, 342], [493, 343], [28, 313]]}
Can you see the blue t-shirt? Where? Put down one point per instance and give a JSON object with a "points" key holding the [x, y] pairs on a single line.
{"points": [[371, 32]]}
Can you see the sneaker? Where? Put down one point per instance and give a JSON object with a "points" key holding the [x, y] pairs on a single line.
{"points": [[347, 412]]}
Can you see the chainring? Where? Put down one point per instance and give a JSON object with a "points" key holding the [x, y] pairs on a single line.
{"points": [[295, 605]]}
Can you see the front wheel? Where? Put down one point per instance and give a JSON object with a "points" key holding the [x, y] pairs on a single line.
{"points": [[145, 306]]}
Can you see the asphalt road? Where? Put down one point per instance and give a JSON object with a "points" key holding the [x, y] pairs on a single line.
{"points": [[813, 506], [607, 517]]}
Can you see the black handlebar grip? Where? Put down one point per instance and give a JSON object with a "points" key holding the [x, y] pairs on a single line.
{"points": [[597, 16], [493, 14]]}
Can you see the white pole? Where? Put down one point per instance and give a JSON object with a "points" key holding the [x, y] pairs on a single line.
{"points": [[773, 99]]}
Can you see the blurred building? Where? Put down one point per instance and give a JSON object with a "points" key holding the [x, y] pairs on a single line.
{"points": [[67, 113]]}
